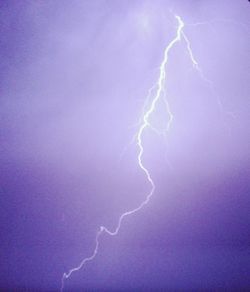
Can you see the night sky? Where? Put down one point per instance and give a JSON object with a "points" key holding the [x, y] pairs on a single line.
{"points": [[74, 81]]}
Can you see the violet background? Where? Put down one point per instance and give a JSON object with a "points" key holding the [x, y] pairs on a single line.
{"points": [[74, 78]]}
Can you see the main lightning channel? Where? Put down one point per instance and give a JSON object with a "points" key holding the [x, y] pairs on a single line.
{"points": [[144, 125]]}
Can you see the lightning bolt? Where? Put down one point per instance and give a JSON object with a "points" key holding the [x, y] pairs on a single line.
{"points": [[159, 93]]}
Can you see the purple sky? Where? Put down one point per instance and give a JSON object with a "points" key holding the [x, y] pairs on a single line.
{"points": [[74, 79]]}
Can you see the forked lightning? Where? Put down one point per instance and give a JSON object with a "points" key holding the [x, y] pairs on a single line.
{"points": [[145, 124]]}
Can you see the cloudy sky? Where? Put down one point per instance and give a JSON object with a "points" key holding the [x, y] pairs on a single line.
{"points": [[74, 81]]}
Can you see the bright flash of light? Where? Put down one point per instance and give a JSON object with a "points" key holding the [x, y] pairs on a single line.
{"points": [[159, 93]]}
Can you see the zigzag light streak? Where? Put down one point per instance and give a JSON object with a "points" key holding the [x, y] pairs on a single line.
{"points": [[145, 124]]}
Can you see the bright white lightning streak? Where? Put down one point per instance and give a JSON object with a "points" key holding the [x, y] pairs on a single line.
{"points": [[145, 124]]}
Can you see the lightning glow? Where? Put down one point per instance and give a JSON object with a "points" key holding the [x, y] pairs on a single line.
{"points": [[159, 93]]}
